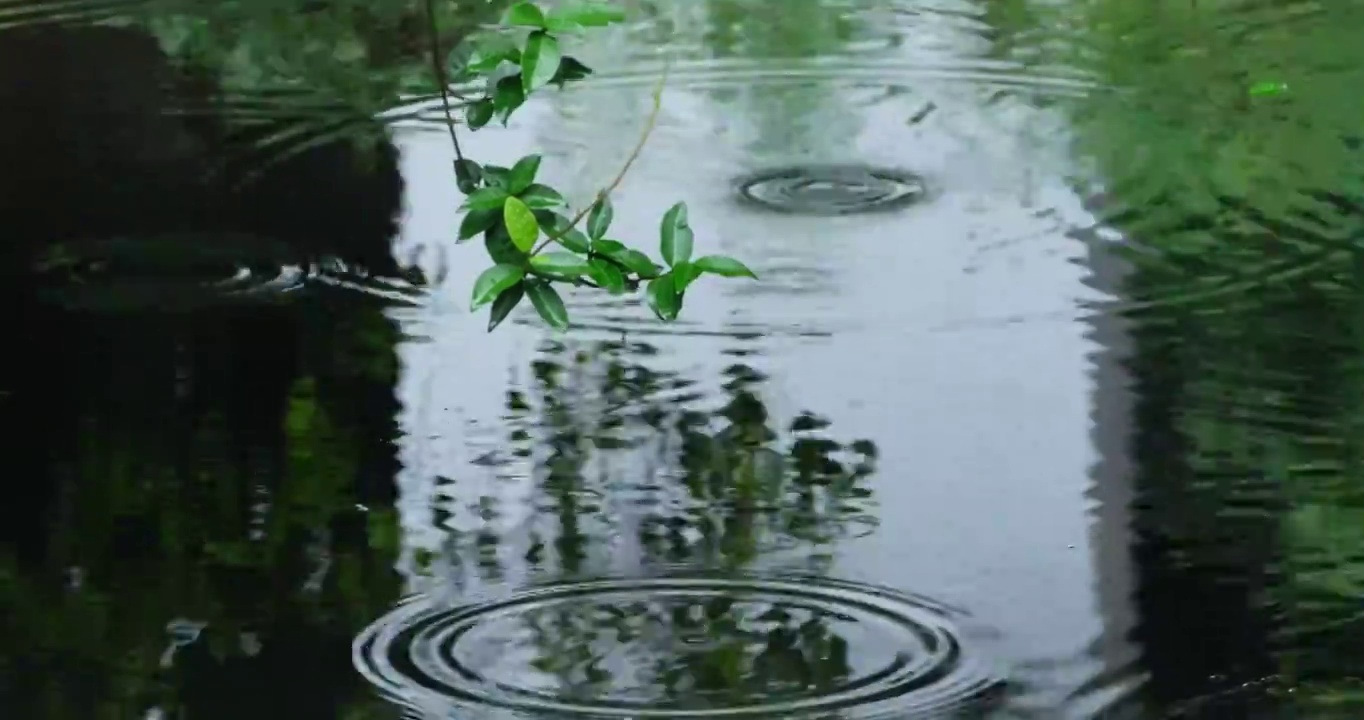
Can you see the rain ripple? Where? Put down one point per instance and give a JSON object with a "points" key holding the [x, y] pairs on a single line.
{"points": [[679, 646]]}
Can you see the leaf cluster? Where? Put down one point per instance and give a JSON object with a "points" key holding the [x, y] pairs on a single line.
{"points": [[532, 243]]}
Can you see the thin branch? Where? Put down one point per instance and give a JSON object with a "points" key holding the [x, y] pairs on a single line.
{"points": [[634, 155], [438, 66]]}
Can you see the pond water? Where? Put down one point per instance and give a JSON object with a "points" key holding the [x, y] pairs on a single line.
{"points": [[1044, 404]]}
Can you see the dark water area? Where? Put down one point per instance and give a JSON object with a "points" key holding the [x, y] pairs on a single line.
{"points": [[1045, 404]]}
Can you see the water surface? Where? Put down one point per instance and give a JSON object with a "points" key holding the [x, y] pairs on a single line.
{"points": [[1041, 407]]}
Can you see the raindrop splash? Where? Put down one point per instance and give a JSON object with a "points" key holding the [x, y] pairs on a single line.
{"points": [[678, 647], [830, 189]]}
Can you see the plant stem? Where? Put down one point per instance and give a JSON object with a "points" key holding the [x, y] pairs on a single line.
{"points": [[634, 155], [438, 67]]}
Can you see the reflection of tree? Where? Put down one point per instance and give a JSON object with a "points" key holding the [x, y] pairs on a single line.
{"points": [[328, 56], [788, 117], [716, 653], [629, 467], [710, 487], [1246, 437], [180, 471], [1246, 358]]}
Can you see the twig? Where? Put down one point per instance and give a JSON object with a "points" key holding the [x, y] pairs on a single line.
{"points": [[438, 66], [620, 176]]}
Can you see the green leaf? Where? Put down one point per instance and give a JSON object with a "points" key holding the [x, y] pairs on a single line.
{"points": [[485, 199], [585, 14], [559, 262], [526, 14], [675, 235], [607, 275], [496, 176], [539, 197], [501, 248], [683, 274], [570, 69], [504, 304], [663, 298], [479, 114], [507, 97], [539, 61], [607, 247], [493, 281], [523, 174], [477, 221], [555, 224], [599, 220], [467, 175], [723, 266], [548, 303], [490, 50], [457, 63], [521, 224], [636, 262]]}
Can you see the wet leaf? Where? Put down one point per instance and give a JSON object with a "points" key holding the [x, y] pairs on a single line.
{"points": [[538, 197], [636, 262], [663, 298], [493, 281], [683, 274], [468, 174], [548, 303], [496, 176], [599, 220], [560, 262], [490, 50], [523, 174], [607, 275], [723, 266], [479, 114], [570, 69], [585, 14], [521, 224], [555, 224], [525, 14], [501, 248], [675, 235], [607, 247], [508, 97], [486, 199], [504, 304], [539, 61], [477, 221]]}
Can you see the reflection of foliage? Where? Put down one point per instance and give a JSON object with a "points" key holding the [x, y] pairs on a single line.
{"points": [[714, 490], [1246, 365], [743, 490], [355, 52], [1186, 70], [1242, 217], [716, 653], [191, 544], [738, 493], [745, 28]]}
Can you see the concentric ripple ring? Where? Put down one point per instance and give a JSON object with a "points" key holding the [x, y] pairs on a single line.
{"points": [[171, 271], [449, 658], [830, 189]]}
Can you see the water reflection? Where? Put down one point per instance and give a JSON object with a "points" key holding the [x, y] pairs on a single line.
{"points": [[186, 530], [1101, 375], [609, 465]]}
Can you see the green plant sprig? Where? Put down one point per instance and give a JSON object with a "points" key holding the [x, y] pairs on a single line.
{"points": [[520, 218]]}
